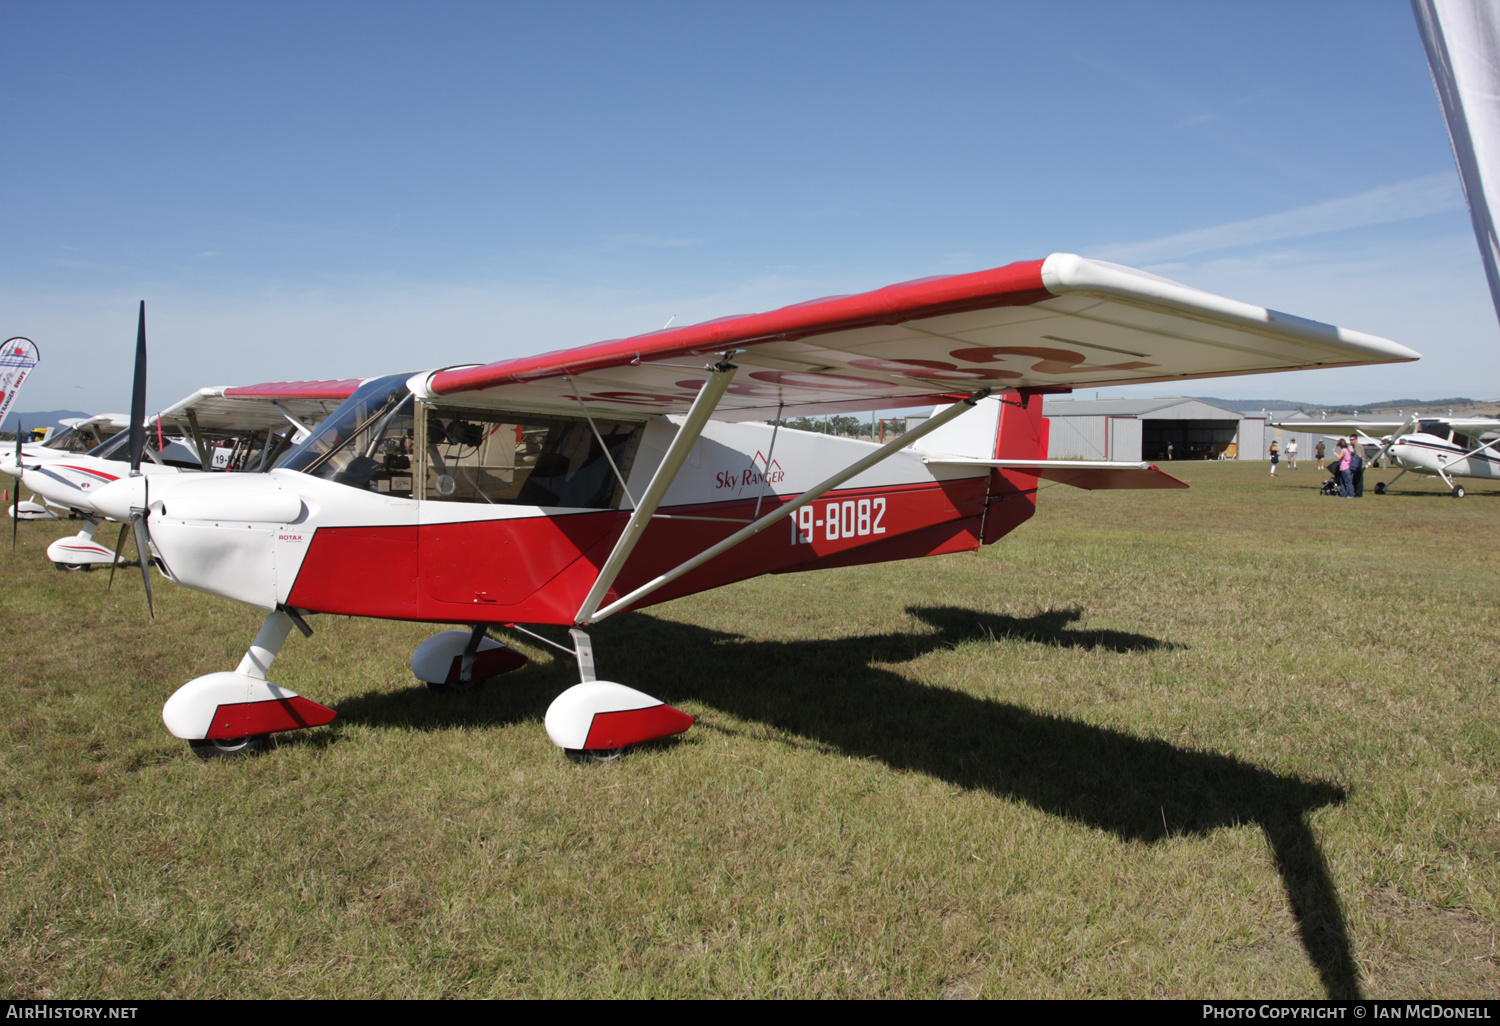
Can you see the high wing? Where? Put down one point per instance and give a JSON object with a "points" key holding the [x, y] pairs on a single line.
{"points": [[1044, 326], [273, 406], [104, 423], [1376, 428]]}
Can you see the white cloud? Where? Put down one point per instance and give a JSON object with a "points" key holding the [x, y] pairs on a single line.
{"points": [[1419, 197]]}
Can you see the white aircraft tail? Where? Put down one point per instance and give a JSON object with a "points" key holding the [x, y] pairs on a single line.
{"points": [[1005, 425]]}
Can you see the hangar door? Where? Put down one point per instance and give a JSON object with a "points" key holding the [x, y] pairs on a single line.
{"points": [[1190, 439]]}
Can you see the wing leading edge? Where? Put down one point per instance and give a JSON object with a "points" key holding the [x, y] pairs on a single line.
{"points": [[1044, 325]]}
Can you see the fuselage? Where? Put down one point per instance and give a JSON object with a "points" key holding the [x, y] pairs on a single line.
{"points": [[407, 511], [1435, 455]]}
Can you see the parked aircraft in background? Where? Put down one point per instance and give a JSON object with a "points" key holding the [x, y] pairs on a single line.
{"points": [[80, 434], [1441, 447], [220, 428], [565, 488]]}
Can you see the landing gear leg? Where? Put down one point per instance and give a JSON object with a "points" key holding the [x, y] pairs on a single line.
{"points": [[1456, 489]]}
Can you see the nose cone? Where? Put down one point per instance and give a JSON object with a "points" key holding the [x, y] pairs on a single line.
{"points": [[116, 499]]}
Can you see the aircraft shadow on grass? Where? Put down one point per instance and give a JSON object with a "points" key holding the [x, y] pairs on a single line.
{"points": [[835, 691]]}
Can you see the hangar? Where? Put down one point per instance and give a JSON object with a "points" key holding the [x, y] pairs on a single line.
{"points": [[1141, 429]]}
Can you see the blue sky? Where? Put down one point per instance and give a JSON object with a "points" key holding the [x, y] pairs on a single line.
{"points": [[329, 190]]}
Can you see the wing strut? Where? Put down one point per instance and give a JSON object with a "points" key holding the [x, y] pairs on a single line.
{"points": [[687, 436], [205, 461], [586, 615]]}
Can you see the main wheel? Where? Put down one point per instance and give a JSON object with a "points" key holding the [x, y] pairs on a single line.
{"points": [[1458, 491], [228, 748], [586, 755], [1380, 488]]}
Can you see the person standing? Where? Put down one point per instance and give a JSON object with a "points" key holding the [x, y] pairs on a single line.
{"points": [[1321, 452], [1341, 465], [1169, 452], [1356, 468], [1275, 457], [1291, 453]]}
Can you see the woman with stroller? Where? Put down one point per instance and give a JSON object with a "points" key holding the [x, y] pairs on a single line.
{"points": [[1341, 464]]}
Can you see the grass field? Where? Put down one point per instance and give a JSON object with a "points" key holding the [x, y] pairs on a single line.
{"points": [[1236, 741]]}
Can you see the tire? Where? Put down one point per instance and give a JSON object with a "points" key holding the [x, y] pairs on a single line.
{"points": [[229, 748], [1380, 488], [590, 755], [1458, 491]]}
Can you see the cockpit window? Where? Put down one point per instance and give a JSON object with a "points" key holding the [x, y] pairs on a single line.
{"points": [[367, 443], [173, 453], [116, 448], [526, 459], [71, 439]]}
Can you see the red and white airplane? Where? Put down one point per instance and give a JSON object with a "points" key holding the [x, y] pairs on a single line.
{"points": [[565, 488]]}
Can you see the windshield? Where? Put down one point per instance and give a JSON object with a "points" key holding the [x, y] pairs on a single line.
{"points": [[175, 454], [367, 443], [116, 448], [66, 440]]}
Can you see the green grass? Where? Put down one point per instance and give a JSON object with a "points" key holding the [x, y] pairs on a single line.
{"points": [[1237, 741]]}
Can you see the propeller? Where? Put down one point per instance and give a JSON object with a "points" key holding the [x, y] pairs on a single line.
{"points": [[1411, 425], [138, 514]]}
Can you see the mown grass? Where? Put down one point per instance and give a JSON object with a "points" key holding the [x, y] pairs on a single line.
{"points": [[1238, 741]]}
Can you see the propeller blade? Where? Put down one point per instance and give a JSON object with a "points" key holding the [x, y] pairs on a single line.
{"points": [[119, 548], [138, 396], [139, 530]]}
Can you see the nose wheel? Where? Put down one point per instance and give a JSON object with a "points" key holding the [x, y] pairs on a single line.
{"points": [[1380, 488]]}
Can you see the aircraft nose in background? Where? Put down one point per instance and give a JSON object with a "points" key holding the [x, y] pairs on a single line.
{"points": [[116, 499]]}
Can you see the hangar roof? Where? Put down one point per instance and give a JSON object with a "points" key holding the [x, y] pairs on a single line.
{"points": [[1166, 407]]}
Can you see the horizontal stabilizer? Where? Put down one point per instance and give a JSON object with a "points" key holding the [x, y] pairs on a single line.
{"points": [[1086, 474]]}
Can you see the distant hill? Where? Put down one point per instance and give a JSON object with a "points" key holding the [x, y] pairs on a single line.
{"points": [[41, 418], [1457, 405]]}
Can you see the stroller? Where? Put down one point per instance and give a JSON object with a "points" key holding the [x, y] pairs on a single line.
{"points": [[1330, 487]]}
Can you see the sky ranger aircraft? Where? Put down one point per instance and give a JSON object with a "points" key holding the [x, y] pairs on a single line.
{"points": [[1442, 447], [565, 488], [263, 423], [77, 435]]}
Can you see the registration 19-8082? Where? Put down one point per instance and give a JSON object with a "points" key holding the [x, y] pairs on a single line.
{"points": [[849, 518]]}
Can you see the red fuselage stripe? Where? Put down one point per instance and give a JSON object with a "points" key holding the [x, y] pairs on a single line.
{"points": [[101, 475]]}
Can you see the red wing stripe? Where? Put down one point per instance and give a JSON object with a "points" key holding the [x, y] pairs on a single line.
{"points": [[341, 389], [1018, 284]]}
